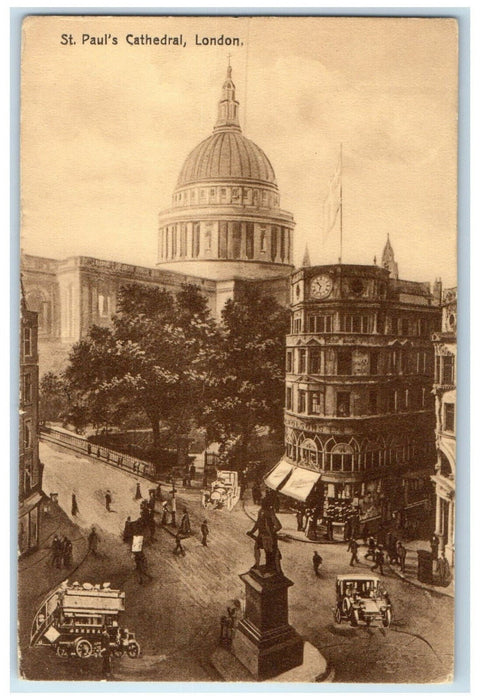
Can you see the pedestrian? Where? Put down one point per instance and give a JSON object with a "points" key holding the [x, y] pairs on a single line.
{"points": [[299, 516], [128, 530], [256, 494], [401, 556], [57, 551], [141, 566], [138, 493], [317, 560], [205, 498], [67, 551], [164, 513], [74, 504], [353, 548], [93, 540], [152, 524], [106, 653], [379, 560], [173, 509], [371, 545], [179, 549], [192, 473], [204, 529], [185, 528], [434, 542], [158, 491], [329, 529], [108, 500], [443, 570]]}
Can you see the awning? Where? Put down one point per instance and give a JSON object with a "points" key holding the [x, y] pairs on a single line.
{"points": [[30, 503], [278, 474], [300, 483]]}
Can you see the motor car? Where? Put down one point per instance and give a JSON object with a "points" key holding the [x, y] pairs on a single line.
{"points": [[362, 599]]}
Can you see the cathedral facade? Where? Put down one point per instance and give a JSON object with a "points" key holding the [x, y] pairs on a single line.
{"points": [[225, 229]]}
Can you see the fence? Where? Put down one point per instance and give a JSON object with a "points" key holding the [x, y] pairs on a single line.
{"points": [[112, 457]]}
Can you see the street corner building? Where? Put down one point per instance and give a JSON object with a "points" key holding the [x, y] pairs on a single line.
{"points": [[225, 230], [30, 472], [445, 392], [359, 413]]}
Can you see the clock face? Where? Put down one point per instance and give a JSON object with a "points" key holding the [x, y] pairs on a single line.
{"points": [[321, 286]]}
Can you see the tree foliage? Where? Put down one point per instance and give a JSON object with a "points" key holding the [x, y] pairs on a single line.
{"points": [[150, 360], [246, 387]]}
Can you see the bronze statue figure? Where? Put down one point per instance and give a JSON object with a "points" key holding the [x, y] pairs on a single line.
{"points": [[267, 525]]}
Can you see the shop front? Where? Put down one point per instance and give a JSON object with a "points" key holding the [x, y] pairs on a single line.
{"points": [[29, 524]]}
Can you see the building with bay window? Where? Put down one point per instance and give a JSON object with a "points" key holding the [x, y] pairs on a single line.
{"points": [[444, 389], [359, 411]]}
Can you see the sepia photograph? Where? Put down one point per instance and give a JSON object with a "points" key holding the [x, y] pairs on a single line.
{"points": [[238, 342]]}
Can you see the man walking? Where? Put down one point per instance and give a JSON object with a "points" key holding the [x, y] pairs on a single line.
{"points": [[317, 560], [379, 560], [57, 551], [353, 548], [179, 549], [173, 510], [74, 504], [138, 493], [108, 500], [141, 567], [401, 556], [204, 529], [443, 570], [93, 540], [185, 528]]}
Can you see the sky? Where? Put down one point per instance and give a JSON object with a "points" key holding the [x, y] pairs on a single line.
{"points": [[106, 128]]}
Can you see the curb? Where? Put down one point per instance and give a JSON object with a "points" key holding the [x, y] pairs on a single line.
{"points": [[417, 584]]}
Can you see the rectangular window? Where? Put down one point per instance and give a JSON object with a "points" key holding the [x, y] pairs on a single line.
{"points": [[302, 361], [249, 241], [344, 362], [315, 405], [449, 417], [27, 341], [27, 434], [448, 369], [203, 195], [263, 239], [343, 403], [319, 324], [302, 395], [297, 324], [392, 401], [374, 362], [289, 365], [314, 361], [212, 194], [373, 402], [223, 194], [404, 329], [27, 388], [289, 398]]}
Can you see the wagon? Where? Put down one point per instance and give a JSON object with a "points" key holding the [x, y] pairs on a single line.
{"points": [[224, 491], [71, 620], [361, 599]]}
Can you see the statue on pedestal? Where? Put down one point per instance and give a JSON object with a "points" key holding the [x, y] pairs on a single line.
{"points": [[267, 525]]}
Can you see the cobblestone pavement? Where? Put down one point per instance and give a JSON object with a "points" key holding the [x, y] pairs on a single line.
{"points": [[176, 616]]}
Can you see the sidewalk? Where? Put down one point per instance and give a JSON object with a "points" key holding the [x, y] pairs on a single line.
{"points": [[411, 565], [289, 532]]}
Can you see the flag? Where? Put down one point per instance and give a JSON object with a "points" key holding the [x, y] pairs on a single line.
{"points": [[332, 202]]}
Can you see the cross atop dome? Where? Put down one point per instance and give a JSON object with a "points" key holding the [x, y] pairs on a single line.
{"points": [[228, 105]]}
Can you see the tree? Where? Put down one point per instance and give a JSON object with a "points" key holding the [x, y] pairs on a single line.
{"points": [[151, 360], [246, 383], [53, 399]]}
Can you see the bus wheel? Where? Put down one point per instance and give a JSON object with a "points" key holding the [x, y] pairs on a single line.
{"points": [[83, 648]]}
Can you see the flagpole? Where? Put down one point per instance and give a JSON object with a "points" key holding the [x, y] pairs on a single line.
{"points": [[341, 203]]}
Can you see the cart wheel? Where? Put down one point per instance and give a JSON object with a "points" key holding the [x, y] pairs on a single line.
{"points": [[83, 648], [62, 650], [387, 618], [338, 616], [133, 649]]}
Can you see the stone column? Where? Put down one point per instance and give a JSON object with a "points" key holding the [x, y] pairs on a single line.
{"points": [[438, 513]]}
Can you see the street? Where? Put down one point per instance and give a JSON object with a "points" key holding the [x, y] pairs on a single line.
{"points": [[176, 616]]}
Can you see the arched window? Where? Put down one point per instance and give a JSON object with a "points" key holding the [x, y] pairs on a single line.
{"points": [[308, 453]]}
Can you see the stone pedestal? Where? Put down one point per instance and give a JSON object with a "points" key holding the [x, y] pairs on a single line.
{"points": [[264, 642]]}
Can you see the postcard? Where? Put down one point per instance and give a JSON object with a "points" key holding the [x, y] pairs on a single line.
{"points": [[238, 349]]}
